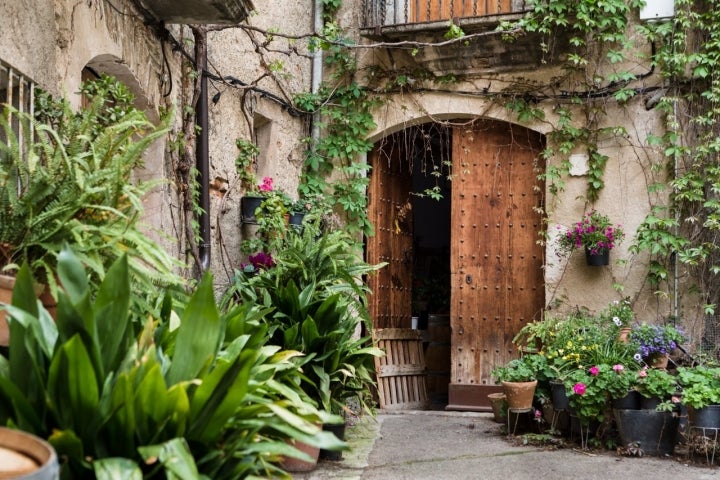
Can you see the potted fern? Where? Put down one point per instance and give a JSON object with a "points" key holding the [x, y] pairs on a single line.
{"points": [[67, 177]]}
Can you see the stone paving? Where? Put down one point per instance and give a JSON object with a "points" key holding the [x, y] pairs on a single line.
{"points": [[466, 445]]}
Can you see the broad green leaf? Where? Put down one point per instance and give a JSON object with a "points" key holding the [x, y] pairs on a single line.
{"points": [[219, 395], [117, 469], [72, 275], [20, 356], [175, 456], [150, 403], [73, 388], [13, 404], [119, 429], [198, 335], [67, 444], [111, 313]]}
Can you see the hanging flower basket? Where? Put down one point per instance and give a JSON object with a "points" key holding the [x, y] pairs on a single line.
{"points": [[595, 234], [597, 259]]}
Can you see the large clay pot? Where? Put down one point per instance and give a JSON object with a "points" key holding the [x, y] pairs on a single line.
{"points": [[658, 360], [7, 284], [296, 465], [27, 457], [499, 406], [519, 395]]}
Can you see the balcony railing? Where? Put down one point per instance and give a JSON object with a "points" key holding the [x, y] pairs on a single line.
{"points": [[377, 13]]}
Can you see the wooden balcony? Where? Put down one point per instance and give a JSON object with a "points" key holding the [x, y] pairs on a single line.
{"points": [[378, 14]]}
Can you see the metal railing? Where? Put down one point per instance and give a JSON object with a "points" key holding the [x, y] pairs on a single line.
{"points": [[18, 91], [378, 13]]}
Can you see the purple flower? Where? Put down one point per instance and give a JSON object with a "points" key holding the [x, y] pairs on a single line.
{"points": [[262, 260]]}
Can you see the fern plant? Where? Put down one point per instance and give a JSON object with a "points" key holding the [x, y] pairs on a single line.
{"points": [[67, 177]]}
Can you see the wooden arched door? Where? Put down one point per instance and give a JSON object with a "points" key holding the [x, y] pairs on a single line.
{"points": [[496, 276], [496, 260]]}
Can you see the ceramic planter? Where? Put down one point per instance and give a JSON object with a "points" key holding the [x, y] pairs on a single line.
{"points": [[23, 455], [519, 395]]}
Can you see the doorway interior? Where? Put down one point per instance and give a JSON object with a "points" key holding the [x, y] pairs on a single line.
{"points": [[463, 262]]}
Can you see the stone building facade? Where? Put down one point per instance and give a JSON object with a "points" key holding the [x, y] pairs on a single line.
{"points": [[54, 43]]}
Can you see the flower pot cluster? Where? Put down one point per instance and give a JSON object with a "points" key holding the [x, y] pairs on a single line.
{"points": [[591, 372]]}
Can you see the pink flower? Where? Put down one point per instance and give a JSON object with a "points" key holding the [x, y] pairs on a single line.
{"points": [[618, 368], [642, 373], [579, 388], [594, 371], [538, 414], [266, 185]]}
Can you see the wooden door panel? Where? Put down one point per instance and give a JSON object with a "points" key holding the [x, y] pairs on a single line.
{"points": [[496, 263], [388, 208], [434, 10]]}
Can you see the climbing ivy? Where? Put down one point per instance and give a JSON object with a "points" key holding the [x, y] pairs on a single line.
{"points": [[687, 230], [597, 33]]}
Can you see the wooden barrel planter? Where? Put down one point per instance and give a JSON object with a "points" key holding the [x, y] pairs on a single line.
{"points": [[437, 358], [27, 457]]}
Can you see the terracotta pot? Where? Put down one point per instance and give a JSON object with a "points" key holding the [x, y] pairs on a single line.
{"points": [[624, 335], [519, 395], [296, 465], [7, 284], [499, 406], [658, 360]]}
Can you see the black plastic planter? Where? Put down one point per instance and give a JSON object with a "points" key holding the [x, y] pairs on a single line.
{"points": [[248, 206], [654, 432], [339, 431]]}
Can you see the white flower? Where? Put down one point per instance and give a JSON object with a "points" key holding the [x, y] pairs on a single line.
{"points": [[617, 321], [637, 357]]}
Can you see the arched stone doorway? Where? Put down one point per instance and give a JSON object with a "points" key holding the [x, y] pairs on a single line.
{"points": [[484, 233]]}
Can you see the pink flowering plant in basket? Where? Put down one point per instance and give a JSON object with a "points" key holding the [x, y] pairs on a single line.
{"points": [[595, 233]]}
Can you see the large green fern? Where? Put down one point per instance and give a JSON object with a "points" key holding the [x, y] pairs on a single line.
{"points": [[67, 177]]}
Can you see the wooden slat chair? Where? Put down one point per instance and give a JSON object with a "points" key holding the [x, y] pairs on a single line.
{"points": [[401, 373]]}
